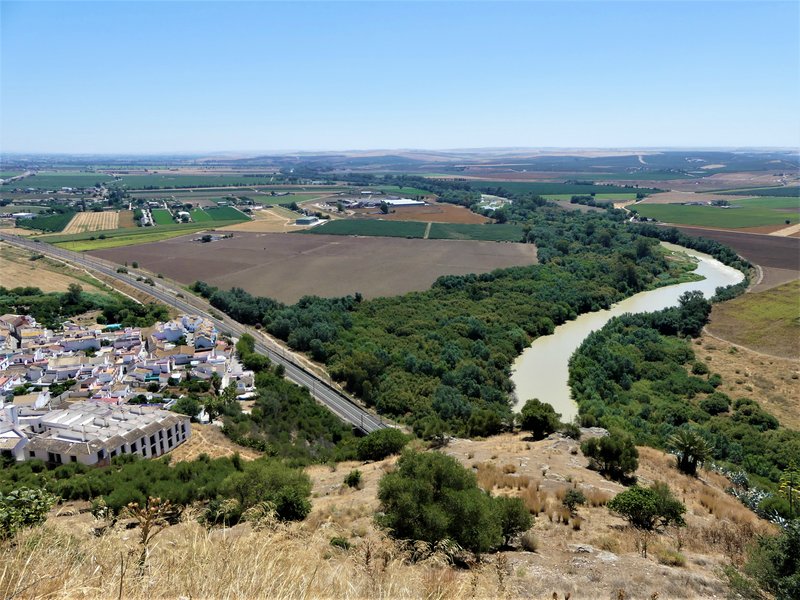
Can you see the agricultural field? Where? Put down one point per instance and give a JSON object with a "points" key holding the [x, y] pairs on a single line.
{"points": [[751, 212], [549, 189], [767, 321], [24, 208], [126, 219], [54, 180], [199, 215], [92, 221], [288, 267], [786, 191], [225, 213], [406, 192], [162, 216], [432, 213], [51, 223], [371, 227], [494, 232], [20, 267], [174, 180], [612, 197], [268, 221]]}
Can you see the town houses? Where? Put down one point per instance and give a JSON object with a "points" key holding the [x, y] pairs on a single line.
{"points": [[87, 393]]}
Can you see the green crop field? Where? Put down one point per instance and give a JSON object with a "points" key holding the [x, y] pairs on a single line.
{"points": [[225, 213], [47, 223], [172, 180], [412, 229], [545, 189], [394, 190], [162, 216], [772, 191], [200, 216], [126, 236], [612, 197], [57, 180], [462, 231], [750, 212]]}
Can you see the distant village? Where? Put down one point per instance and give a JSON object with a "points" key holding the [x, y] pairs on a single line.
{"points": [[85, 394]]}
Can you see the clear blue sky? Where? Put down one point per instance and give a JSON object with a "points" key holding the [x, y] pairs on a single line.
{"points": [[203, 76]]}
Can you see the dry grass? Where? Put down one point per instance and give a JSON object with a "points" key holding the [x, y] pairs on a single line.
{"points": [[209, 439], [16, 269], [92, 221], [126, 219]]}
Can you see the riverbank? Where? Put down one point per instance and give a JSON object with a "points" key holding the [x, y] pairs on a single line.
{"points": [[542, 370]]}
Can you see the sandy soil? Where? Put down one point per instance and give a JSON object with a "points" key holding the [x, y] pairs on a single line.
{"points": [[771, 381], [288, 267], [787, 231]]}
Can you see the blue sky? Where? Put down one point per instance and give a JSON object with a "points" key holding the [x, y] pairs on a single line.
{"points": [[205, 76]]}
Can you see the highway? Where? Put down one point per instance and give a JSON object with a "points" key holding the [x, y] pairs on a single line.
{"points": [[338, 403]]}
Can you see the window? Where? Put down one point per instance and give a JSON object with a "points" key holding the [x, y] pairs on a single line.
{"points": [[133, 447], [73, 459], [31, 454]]}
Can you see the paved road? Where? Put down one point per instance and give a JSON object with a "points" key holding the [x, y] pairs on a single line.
{"points": [[342, 406]]}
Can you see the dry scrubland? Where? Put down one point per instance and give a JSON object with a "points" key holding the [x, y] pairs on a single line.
{"points": [[17, 269], [592, 555], [287, 267], [92, 221]]}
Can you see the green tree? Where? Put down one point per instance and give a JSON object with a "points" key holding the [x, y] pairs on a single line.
{"points": [[381, 443], [690, 448], [648, 510], [73, 294], [384, 208], [539, 418], [514, 517], [614, 455], [774, 563], [431, 497]]}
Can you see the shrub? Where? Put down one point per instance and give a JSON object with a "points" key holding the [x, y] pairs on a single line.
{"points": [[271, 481], [23, 507], [573, 498], [671, 558], [775, 562], [571, 431], [340, 542], [381, 443], [529, 542], [353, 478]]}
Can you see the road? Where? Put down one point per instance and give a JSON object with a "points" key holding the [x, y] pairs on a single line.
{"points": [[339, 403]]}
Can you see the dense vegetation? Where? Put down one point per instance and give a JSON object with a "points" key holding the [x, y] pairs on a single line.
{"points": [[440, 359], [431, 497], [50, 309], [53, 222], [131, 479], [635, 374]]}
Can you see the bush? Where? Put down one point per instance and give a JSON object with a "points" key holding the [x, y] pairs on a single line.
{"points": [[353, 479], [340, 542], [571, 430], [23, 507], [573, 498], [670, 558], [529, 542], [775, 563], [271, 481], [613, 455], [381, 443]]}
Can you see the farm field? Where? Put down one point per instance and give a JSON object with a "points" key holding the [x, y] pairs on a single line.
{"points": [[92, 221], [170, 180], [490, 233], [612, 197], [287, 267], [199, 215], [371, 227], [53, 223], [545, 189], [268, 221], [767, 321], [126, 219], [225, 213], [567, 205], [17, 268], [784, 191], [15, 208], [162, 216], [431, 213], [47, 180], [753, 212]]}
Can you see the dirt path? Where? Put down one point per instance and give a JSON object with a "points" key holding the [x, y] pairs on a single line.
{"points": [[787, 231], [427, 231]]}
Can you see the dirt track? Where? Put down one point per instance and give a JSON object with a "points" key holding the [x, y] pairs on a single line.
{"points": [[289, 266]]}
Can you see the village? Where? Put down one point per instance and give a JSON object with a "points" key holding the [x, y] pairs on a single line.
{"points": [[85, 394]]}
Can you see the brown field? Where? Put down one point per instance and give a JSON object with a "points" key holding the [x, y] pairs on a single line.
{"points": [[267, 221], [765, 250], [16, 269], [723, 181], [92, 221], [287, 267], [126, 219], [431, 213], [209, 439], [771, 381]]}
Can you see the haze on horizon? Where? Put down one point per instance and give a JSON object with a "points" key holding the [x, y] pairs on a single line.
{"points": [[206, 77]]}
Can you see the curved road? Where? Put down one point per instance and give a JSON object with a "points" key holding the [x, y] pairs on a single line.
{"points": [[340, 404]]}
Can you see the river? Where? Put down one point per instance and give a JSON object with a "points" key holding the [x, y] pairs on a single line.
{"points": [[541, 371]]}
